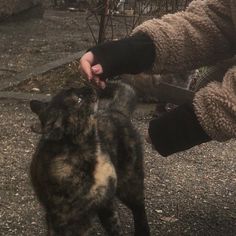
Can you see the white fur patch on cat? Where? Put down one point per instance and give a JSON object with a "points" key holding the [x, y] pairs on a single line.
{"points": [[103, 173]]}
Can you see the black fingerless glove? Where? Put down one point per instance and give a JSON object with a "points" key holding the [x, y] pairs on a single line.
{"points": [[177, 130], [130, 55]]}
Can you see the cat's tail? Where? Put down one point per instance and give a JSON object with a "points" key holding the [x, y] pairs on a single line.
{"points": [[124, 97]]}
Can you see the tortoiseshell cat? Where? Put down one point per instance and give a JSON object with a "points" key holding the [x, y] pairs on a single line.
{"points": [[85, 158]]}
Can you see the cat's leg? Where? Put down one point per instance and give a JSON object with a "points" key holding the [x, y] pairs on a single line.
{"points": [[50, 230], [109, 218], [76, 226], [132, 195]]}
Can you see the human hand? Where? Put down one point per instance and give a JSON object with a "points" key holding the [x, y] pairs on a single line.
{"points": [[91, 71]]}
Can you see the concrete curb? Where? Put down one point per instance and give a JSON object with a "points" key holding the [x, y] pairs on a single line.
{"points": [[23, 96], [34, 72]]}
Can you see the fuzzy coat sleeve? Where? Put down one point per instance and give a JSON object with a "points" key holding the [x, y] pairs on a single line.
{"points": [[215, 107], [201, 35]]}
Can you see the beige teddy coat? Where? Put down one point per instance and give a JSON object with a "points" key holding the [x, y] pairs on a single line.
{"points": [[204, 34]]}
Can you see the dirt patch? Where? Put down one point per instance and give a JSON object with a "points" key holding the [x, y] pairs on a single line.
{"points": [[30, 43], [48, 83]]}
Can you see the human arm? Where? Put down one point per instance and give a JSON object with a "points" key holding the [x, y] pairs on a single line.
{"points": [[132, 55], [201, 35]]}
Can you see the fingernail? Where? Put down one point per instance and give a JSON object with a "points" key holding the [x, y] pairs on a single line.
{"points": [[95, 69]]}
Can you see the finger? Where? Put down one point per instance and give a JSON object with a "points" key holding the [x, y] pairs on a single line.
{"points": [[97, 69], [86, 69]]}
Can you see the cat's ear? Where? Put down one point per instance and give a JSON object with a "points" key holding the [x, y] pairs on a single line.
{"points": [[37, 106]]}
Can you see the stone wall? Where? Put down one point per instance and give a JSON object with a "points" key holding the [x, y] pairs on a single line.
{"points": [[12, 7]]}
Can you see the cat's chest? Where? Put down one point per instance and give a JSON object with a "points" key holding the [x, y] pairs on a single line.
{"points": [[104, 174], [92, 168]]}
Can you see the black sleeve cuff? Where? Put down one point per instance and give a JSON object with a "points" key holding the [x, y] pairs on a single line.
{"points": [[177, 130], [130, 55]]}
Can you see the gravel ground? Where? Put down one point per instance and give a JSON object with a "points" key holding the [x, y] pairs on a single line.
{"points": [[30, 43], [189, 193]]}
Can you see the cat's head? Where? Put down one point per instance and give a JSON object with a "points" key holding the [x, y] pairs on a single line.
{"points": [[67, 113]]}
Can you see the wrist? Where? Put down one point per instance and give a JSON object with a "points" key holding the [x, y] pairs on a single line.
{"points": [[130, 55]]}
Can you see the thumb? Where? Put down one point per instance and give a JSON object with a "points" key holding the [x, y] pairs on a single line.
{"points": [[97, 69]]}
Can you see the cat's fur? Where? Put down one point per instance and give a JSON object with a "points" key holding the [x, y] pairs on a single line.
{"points": [[85, 158]]}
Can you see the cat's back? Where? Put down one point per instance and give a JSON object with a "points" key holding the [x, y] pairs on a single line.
{"points": [[119, 137]]}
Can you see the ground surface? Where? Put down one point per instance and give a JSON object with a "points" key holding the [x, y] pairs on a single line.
{"points": [[26, 44], [190, 193]]}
